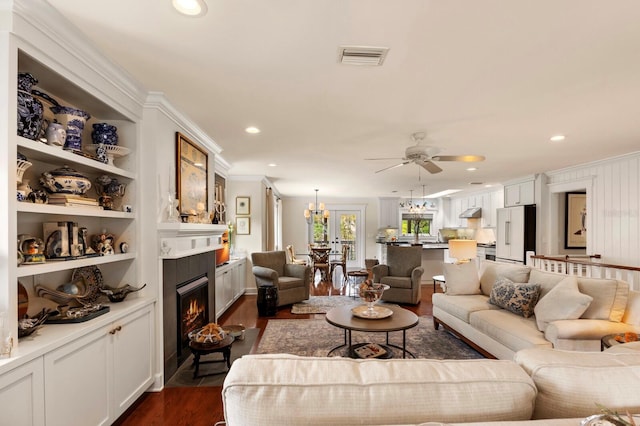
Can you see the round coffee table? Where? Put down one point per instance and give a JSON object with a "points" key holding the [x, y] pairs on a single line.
{"points": [[401, 320]]}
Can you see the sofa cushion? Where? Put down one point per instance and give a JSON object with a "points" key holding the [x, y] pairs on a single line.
{"points": [[490, 270], [570, 384], [632, 312], [519, 298], [547, 280], [609, 298], [461, 278], [463, 305], [284, 389], [513, 331], [564, 301]]}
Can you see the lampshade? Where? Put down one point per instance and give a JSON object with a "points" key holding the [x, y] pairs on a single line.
{"points": [[463, 250]]}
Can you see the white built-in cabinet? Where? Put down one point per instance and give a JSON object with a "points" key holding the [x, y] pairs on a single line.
{"points": [[519, 194], [102, 373], [488, 201], [389, 213], [22, 395], [88, 372], [230, 284]]}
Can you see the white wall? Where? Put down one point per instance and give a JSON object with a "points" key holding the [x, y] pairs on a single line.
{"points": [[613, 197], [294, 225]]}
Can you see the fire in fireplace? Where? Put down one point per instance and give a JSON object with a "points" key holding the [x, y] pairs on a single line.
{"points": [[193, 311]]}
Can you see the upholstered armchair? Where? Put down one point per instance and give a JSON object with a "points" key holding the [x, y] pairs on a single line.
{"points": [[402, 273], [293, 281]]}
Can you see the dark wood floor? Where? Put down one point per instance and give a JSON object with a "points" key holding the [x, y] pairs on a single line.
{"points": [[202, 406]]}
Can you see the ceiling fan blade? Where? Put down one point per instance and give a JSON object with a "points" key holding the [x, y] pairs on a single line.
{"points": [[429, 166], [387, 158], [394, 166], [463, 158]]}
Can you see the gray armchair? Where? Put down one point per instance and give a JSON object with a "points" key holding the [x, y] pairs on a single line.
{"points": [[402, 273], [270, 268]]}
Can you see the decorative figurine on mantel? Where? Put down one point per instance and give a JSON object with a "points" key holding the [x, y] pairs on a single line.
{"points": [[173, 214]]}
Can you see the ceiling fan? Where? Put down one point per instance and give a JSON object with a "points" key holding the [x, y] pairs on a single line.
{"points": [[425, 155]]}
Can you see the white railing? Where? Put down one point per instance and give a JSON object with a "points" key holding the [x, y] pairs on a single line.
{"points": [[588, 266]]}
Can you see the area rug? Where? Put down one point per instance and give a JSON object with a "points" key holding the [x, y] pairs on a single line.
{"points": [[322, 304], [310, 337], [184, 376]]}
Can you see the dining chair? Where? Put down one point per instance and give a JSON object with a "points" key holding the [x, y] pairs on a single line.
{"points": [[291, 255], [342, 261], [320, 261]]}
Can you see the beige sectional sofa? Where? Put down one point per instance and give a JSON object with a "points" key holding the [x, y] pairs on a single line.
{"points": [[541, 386], [571, 313]]}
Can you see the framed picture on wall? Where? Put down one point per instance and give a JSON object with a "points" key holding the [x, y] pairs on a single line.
{"points": [[243, 205], [575, 221], [191, 175], [243, 225]]}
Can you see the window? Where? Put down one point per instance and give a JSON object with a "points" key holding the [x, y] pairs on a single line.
{"points": [[409, 223]]}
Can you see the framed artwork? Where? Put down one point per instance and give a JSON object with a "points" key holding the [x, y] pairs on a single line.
{"points": [[575, 220], [192, 175], [243, 225], [243, 205]]}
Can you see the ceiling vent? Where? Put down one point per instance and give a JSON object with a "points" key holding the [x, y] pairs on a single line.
{"points": [[362, 55]]}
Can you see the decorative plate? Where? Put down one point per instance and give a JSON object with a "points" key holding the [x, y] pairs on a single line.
{"points": [[361, 311]]}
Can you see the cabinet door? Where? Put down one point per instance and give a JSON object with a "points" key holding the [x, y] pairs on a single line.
{"points": [[132, 341], [76, 384], [527, 193], [511, 195], [220, 300], [22, 395]]}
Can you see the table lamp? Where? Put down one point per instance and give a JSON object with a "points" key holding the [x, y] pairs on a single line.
{"points": [[463, 250]]}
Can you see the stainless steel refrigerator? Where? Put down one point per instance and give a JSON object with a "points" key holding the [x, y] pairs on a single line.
{"points": [[515, 233]]}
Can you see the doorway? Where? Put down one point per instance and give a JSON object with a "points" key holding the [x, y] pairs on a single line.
{"points": [[345, 227]]}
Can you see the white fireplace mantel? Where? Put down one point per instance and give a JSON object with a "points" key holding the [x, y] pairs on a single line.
{"points": [[179, 240]]}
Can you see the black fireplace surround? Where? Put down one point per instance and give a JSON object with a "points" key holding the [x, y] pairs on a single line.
{"points": [[175, 273]]}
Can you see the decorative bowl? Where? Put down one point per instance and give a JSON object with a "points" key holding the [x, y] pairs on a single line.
{"points": [[211, 334], [65, 180], [371, 292]]}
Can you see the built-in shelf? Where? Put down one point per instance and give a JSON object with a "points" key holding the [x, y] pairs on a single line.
{"points": [[34, 150], [26, 270], [27, 207]]}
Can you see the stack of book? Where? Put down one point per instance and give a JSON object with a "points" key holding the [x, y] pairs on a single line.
{"points": [[70, 200]]}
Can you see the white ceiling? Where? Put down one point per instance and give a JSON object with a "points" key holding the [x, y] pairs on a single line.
{"points": [[488, 77]]}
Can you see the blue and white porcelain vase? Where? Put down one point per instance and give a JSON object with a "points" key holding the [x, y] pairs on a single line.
{"points": [[74, 119], [30, 109], [104, 133]]}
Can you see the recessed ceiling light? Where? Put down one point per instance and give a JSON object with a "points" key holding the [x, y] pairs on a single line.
{"points": [[191, 8], [472, 169], [272, 165], [556, 138], [252, 130], [488, 185]]}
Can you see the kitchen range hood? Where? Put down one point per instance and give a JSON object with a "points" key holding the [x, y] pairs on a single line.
{"points": [[472, 213]]}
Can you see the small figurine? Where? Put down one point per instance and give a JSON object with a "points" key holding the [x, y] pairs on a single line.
{"points": [[103, 243]]}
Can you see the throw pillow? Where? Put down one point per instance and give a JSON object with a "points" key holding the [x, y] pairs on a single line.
{"points": [[564, 301], [519, 298], [461, 278]]}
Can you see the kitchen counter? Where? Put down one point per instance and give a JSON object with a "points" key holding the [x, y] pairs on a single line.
{"points": [[424, 245]]}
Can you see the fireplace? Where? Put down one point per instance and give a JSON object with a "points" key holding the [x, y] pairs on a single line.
{"points": [[192, 311], [185, 280]]}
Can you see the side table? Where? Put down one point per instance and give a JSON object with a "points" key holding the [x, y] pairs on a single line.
{"points": [[267, 300], [354, 278], [438, 279], [199, 349]]}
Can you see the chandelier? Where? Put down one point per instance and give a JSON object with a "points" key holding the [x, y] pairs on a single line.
{"points": [[416, 208], [312, 211]]}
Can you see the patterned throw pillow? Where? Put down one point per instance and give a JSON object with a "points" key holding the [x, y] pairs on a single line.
{"points": [[519, 298]]}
